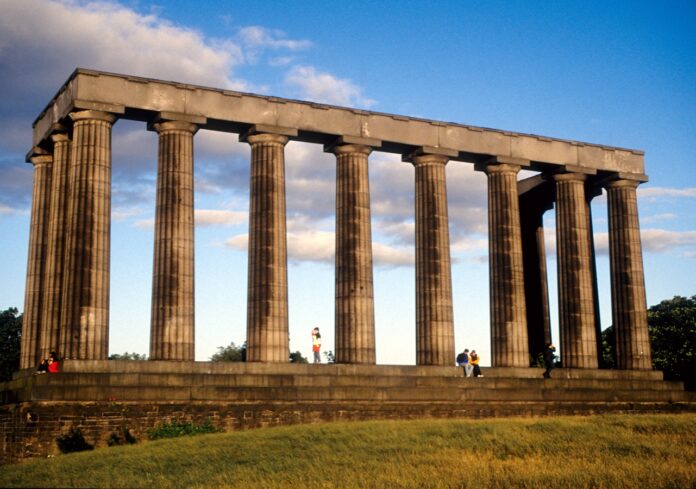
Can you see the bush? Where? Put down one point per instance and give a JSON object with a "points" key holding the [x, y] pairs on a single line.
{"points": [[174, 429], [73, 441]]}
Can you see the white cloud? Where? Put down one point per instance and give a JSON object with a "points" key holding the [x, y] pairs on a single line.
{"points": [[256, 38], [666, 192], [325, 87], [652, 241], [212, 217]]}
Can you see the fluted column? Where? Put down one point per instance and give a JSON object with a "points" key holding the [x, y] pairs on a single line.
{"points": [[434, 311], [84, 328], [629, 306], [38, 231], [267, 301], [575, 282], [355, 315], [173, 315], [55, 252], [509, 345]]}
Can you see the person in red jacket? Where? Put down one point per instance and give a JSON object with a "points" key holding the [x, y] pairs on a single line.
{"points": [[53, 363]]}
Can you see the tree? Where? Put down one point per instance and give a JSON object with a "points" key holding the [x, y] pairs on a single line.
{"points": [[128, 356], [230, 353], [608, 358], [296, 357], [672, 328], [10, 337]]}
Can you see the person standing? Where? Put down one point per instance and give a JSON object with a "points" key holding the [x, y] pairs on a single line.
{"points": [[549, 359], [316, 345], [474, 360]]}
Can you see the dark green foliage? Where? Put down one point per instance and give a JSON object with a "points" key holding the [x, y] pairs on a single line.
{"points": [[122, 437], [128, 356], [10, 337], [672, 325], [73, 441], [296, 357], [231, 353], [174, 429], [608, 358]]}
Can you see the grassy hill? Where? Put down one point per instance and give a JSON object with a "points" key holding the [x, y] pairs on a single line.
{"points": [[612, 451]]}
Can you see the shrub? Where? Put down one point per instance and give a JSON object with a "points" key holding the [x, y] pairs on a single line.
{"points": [[174, 429], [73, 441]]}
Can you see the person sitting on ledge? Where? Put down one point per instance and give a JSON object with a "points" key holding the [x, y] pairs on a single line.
{"points": [[43, 367], [53, 363], [474, 359]]}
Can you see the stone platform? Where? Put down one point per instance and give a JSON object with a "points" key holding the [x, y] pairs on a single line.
{"points": [[106, 397]]}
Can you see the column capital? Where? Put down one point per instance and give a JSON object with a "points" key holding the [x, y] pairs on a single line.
{"points": [[60, 137], [97, 115], [350, 149], [343, 141], [174, 126], [430, 155], [501, 164], [569, 177], [621, 183], [266, 138], [41, 160], [266, 130]]}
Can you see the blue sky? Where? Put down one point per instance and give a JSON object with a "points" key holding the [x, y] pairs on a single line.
{"points": [[615, 73]]}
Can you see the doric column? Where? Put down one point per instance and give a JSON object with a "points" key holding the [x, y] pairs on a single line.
{"points": [[575, 282], [55, 253], [172, 321], [267, 301], [40, 203], [84, 328], [509, 345], [434, 312], [536, 197], [355, 315], [629, 306]]}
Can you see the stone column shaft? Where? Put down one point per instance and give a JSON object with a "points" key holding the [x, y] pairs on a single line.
{"points": [[267, 302], [509, 345], [575, 281], [434, 310], [84, 328], [629, 306], [55, 253], [355, 316], [40, 204], [173, 314]]}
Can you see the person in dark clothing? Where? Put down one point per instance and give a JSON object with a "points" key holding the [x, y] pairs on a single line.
{"points": [[549, 359]]}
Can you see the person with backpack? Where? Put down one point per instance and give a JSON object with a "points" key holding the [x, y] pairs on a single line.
{"points": [[463, 361]]}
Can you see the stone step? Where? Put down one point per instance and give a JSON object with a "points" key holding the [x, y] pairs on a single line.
{"points": [[481, 391], [289, 380]]}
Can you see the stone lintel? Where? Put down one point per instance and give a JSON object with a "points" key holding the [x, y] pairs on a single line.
{"points": [[235, 112], [344, 140], [267, 129], [430, 151], [100, 106]]}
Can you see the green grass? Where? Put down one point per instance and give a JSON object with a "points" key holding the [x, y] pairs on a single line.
{"points": [[655, 451]]}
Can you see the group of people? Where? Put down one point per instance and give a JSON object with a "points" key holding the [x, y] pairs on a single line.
{"points": [[470, 362], [49, 365]]}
